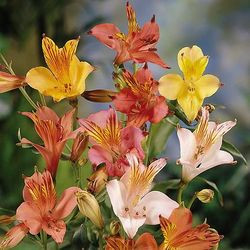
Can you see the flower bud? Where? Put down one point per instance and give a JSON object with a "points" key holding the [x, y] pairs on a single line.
{"points": [[99, 95], [9, 82], [98, 180], [205, 195], [79, 145], [114, 227], [89, 207]]}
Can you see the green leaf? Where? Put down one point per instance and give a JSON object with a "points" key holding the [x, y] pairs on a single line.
{"points": [[165, 185], [159, 134], [214, 186], [230, 148]]}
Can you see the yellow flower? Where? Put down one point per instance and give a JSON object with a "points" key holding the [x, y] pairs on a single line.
{"points": [[66, 74], [190, 90]]}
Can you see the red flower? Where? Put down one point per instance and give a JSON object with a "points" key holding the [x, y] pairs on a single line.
{"points": [[139, 100], [111, 142], [138, 45], [54, 132]]}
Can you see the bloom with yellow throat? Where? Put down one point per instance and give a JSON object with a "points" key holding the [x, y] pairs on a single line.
{"points": [[191, 89], [66, 75]]}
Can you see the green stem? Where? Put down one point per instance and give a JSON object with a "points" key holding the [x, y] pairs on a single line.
{"points": [[74, 103], [180, 192], [27, 97], [42, 98], [192, 201], [44, 240], [101, 239], [148, 145]]}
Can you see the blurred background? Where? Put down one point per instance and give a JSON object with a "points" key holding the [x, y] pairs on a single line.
{"points": [[220, 27]]}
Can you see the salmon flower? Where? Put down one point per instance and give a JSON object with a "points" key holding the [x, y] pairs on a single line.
{"points": [[200, 150], [138, 45], [139, 99], [14, 236], [131, 200], [111, 142], [9, 82], [180, 235], [54, 132], [66, 75], [194, 87], [41, 210], [145, 241]]}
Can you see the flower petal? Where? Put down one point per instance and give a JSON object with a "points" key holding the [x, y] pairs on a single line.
{"points": [[156, 204], [170, 86], [190, 104], [29, 214], [78, 72], [207, 85], [160, 110], [146, 241], [117, 192], [41, 79], [66, 203]]}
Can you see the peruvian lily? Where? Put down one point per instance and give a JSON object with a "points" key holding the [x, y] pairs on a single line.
{"points": [[131, 200], [138, 45], [41, 210], [66, 75], [54, 132], [194, 87], [180, 235], [200, 150], [14, 236], [145, 242], [111, 142], [139, 99], [9, 82]]}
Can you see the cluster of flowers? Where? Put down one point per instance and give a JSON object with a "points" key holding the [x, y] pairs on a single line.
{"points": [[117, 152]]}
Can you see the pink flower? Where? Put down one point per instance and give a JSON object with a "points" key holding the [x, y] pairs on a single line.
{"points": [[54, 132], [139, 99], [131, 200], [138, 45], [13, 236], [41, 210], [200, 150], [111, 142]]}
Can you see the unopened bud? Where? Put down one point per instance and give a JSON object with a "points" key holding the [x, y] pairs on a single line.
{"points": [[98, 180], [115, 227], [205, 195], [79, 145], [99, 95], [9, 82], [89, 207]]}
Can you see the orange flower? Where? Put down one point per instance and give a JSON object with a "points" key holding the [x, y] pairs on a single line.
{"points": [[145, 242], [180, 235], [138, 45], [54, 132], [9, 82], [41, 210]]}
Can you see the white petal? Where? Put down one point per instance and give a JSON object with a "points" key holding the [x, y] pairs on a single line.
{"points": [[188, 172], [117, 195], [131, 225], [219, 158], [187, 144], [156, 204]]}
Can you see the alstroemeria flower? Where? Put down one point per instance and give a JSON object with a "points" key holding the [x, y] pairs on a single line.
{"points": [[41, 210], [139, 100], [54, 132], [190, 90], [14, 236], [111, 142], [180, 235], [138, 45], [145, 242], [131, 200], [9, 82], [200, 150], [66, 74]]}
